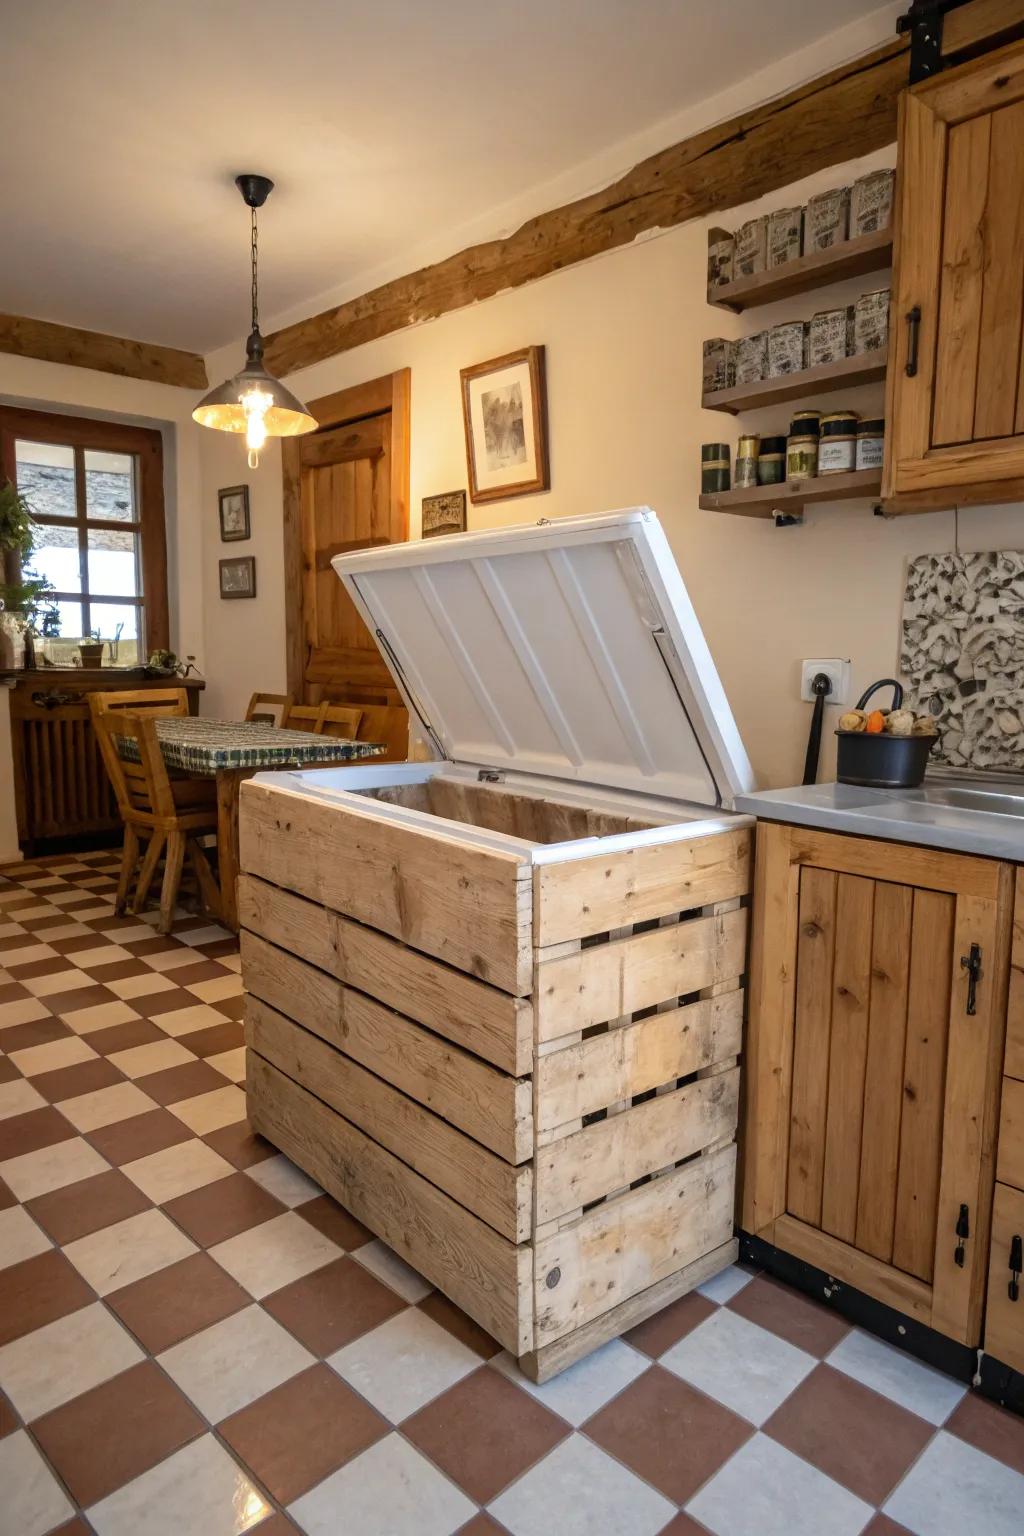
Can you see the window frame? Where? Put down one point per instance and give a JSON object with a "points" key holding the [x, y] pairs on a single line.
{"points": [[145, 445]]}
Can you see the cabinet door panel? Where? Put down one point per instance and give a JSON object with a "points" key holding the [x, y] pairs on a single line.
{"points": [[851, 990], [1004, 1319], [812, 1031], [1000, 356], [961, 280]]}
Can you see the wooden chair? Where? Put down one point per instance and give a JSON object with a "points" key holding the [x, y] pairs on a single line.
{"points": [[341, 720], [269, 707], [302, 717], [166, 814], [153, 701]]}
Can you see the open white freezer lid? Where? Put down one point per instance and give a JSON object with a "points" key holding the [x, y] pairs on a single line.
{"points": [[565, 649]]}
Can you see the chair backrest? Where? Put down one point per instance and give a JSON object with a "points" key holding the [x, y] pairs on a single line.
{"points": [[303, 717], [270, 707], [143, 788], [341, 720]]}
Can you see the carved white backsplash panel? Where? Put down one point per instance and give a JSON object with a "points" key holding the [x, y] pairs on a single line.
{"points": [[962, 654]]}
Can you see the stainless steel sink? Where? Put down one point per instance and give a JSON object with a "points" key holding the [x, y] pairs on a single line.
{"points": [[995, 798]]}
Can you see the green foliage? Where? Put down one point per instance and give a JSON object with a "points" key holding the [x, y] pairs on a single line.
{"points": [[15, 521], [23, 595]]}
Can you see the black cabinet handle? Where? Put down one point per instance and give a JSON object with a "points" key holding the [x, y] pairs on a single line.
{"points": [[913, 335], [972, 965], [1016, 1265], [963, 1232]]}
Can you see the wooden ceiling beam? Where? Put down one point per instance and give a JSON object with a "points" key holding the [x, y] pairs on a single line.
{"points": [[107, 354], [838, 116]]}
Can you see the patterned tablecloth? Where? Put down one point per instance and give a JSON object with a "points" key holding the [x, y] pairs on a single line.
{"points": [[207, 746]]}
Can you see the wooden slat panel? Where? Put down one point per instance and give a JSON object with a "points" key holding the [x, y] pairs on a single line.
{"points": [[586, 896], [961, 277], [469, 906], [486, 1021], [612, 1153], [917, 1188], [607, 981], [357, 440], [851, 988], [493, 1189], [904, 864], [883, 1079], [1002, 306], [482, 1272], [601, 1071], [1010, 1168], [1004, 1325], [868, 1274], [494, 1109], [632, 1242], [812, 1032]]}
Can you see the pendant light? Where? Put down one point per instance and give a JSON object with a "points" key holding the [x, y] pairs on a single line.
{"points": [[254, 402]]}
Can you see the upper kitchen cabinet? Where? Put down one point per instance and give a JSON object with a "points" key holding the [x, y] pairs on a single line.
{"points": [[955, 408]]}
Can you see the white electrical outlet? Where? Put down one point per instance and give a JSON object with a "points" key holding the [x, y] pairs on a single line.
{"points": [[838, 673]]}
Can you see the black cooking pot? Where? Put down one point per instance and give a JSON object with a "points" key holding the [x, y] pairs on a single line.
{"points": [[882, 761]]}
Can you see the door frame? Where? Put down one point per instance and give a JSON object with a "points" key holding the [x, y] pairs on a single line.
{"points": [[391, 392]]}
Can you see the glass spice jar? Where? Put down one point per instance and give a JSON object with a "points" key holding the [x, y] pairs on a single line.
{"points": [[747, 454], [714, 468], [837, 452], [771, 461]]}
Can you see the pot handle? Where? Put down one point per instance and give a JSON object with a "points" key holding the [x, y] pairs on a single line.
{"points": [[883, 682]]}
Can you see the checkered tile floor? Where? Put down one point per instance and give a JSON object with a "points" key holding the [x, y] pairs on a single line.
{"points": [[195, 1341]]}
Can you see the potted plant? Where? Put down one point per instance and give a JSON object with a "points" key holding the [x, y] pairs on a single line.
{"points": [[21, 591], [90, 649]]}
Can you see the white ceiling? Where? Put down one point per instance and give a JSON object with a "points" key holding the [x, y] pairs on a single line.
{"points": [[389, 126]]}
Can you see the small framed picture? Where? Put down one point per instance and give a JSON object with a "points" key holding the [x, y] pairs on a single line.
{"points": [[445, 513], [238, 576], [233, 501], [505, 417]]}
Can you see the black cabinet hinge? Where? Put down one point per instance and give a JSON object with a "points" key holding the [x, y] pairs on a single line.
{"points": [[1016, 1266], [963, 1232], [971, 963]]}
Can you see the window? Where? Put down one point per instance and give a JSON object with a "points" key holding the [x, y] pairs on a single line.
{"points": [[95, 489]]}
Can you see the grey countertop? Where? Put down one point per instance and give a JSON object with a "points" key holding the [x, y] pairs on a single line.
{"points": [[963, 815]]}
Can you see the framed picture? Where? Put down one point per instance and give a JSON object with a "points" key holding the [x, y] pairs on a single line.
{"points": [[445, 513], [505, 416], [233, 501], [238, 576]]}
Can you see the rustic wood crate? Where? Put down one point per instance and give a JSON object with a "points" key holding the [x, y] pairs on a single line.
{"points": [[546, 1130]]}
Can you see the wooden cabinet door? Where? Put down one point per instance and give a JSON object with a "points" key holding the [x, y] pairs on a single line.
{"points": [[1004, 1316], [955, 409], [873, 1066]]}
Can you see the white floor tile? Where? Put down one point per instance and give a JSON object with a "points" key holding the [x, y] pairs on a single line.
{"points": [[385, 1263], [234, 1362], [955, 1488], [84, 1021], [217, 988], [32, 1501], [20, 1238], [390, 1490], [128, 1250], [18, 1097], [579, 1391], [275, 1253], [917, 1387], [745, 1367], [199, 1491], [155, 1057], [58, 981], [207, 1112], [105, 1106], [22, 1010], [280, 1177], [132, 935], [68, 1052], [69, 930], [210, 934], [36, 1173], [231, 1064], [141, 986], [404, 1363], [52, 1365], [176, 1170], [164, 960], [576, 1491], [726, 1284], [178, 1022], [28, 954], [764, 1490], [102, 954]]}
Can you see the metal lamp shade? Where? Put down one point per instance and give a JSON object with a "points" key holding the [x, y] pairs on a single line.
{"points": [[222, 409]]}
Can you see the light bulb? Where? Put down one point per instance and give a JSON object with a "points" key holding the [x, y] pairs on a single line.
{"points": [[255, 403]]}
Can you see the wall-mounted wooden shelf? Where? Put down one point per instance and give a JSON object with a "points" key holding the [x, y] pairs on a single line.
{"points": [[849, 371], [793, 495], [868, 253]]}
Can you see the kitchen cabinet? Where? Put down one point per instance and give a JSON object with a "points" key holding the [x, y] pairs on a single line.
{"points": [[1004, 1313], [955, 403], [877, 987]]}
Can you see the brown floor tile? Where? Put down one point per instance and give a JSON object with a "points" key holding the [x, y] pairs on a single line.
{"points": [[176, 1083], [8, 1071], [863, 1440], [791, 1316], [123, 1037], [32, 1130], [682, 1525], [113, 1433], [157, 945], [16, 941], [8, 1418], [646, 1426], [126, 1140], [76, 1527], [85, 1077], [6, 1197], [453, 1318], [19, 1037], [671, 1324], [203, 970], [333, 1306], [51, 966], [277, 1525], [118, 970], [219, 1037], [242, 1147], [484, 1432], [153, 1004], [881, 1525], [481, 1525], [231, 1007], [331, 1219], [302, 1431], [12, 992], [218, 950], [991, 1429], [78, 1209], [38, 1291], [80, 997], [178, 1301], [219, 1210]]}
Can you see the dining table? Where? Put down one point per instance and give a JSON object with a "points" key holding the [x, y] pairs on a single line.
{"points": [[231, 751]]}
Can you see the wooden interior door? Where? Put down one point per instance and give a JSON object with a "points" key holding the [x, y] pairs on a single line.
{"points": [[955, 413], [873, 1065], [345, 489]]}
